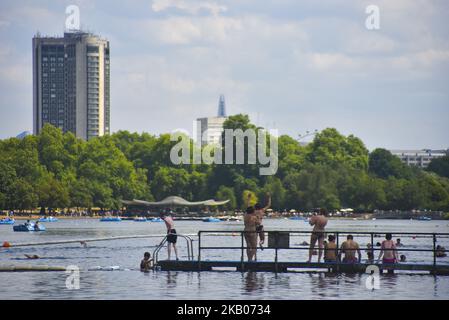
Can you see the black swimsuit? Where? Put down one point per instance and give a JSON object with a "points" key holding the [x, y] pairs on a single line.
{"points": [[172, 237]]}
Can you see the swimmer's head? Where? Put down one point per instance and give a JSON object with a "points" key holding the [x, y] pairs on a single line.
{"points": [[147, 255]]}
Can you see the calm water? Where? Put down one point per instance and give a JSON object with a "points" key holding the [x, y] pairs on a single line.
{"points": [[130, 283]]}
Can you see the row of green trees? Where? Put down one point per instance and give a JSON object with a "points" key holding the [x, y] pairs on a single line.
{"points": [[56, 170]]}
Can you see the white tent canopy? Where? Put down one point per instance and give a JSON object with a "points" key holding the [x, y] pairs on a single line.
{"points": [[175, 201]]}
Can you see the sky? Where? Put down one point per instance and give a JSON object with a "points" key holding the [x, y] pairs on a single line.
{"points": [[291, 65]]}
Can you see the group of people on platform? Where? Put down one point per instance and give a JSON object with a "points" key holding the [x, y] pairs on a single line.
{"points": [[254, 234], [349, 251]]}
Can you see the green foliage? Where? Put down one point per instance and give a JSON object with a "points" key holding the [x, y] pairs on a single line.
{"points": [[331, 148], [57, 170], [227, 193], [440, 166], [384, 165]]}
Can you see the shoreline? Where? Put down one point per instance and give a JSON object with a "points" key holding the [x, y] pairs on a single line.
{"points": [[200, 218]]}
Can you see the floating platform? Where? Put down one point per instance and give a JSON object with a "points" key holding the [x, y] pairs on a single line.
{"points": [[34, 268], [270, 266]]}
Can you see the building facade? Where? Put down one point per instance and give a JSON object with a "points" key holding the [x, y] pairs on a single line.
{"points": [[209, 129], [71, 84], [419, 158]]}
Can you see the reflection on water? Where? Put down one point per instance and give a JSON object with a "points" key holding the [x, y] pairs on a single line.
{"points": [[130, 283], [254, 281]]}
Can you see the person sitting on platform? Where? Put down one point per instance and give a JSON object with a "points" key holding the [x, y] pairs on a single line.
{"points": [[441, 252], [330, 250], [349, 247], [147, 263]]}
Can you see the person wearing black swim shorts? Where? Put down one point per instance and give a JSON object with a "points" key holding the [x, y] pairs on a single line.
{"points": [[171, 232]]}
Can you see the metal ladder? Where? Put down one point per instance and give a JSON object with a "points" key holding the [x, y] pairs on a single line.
{"points": [[189, 242]]}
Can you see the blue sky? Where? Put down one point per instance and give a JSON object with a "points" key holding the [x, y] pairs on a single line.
{"points": [[292, 65]]}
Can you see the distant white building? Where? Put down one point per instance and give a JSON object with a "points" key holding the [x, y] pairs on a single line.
{"points": [[419, 158], [209, 129]]}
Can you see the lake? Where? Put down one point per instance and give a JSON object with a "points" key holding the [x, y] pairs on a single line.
{"points": [[130, 283]]}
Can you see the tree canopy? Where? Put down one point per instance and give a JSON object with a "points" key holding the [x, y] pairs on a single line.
{"points": [[57, 170]]}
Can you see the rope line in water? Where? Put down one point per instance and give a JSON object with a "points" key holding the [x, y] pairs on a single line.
{"points": [[31, 244]]}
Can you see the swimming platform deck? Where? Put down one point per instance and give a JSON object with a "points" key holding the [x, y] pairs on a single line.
{"points": [[277, 240], [258, 266], [291, 266]]}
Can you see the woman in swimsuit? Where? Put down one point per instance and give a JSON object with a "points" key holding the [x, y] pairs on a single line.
{"points": [[250, 219], [388, 251]]}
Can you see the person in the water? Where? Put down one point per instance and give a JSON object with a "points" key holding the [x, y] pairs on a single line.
{"points": [[330, 250], [388, 252], [147, 262], [440, 252], [349, 248]]}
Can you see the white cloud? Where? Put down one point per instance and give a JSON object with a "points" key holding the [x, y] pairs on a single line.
{"points": [[189, 6]]}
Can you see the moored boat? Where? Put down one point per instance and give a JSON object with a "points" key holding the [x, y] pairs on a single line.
{"points": [[111, 219], [297, 218], [7, 221], [29, 227], [210, 219], [48, 219]]}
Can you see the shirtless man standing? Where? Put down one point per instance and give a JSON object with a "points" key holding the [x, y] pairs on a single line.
{"points": [[318, 222], [349, 247], [171, 232]]}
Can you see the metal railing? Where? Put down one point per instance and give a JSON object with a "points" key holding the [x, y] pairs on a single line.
{"points": [[337, 234], [189, 242]]}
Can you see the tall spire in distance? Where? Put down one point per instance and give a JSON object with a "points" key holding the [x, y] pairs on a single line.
{"points": [[222, 107]]}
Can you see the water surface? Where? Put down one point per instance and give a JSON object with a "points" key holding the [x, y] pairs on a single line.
{"points": [[130, 283]]}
